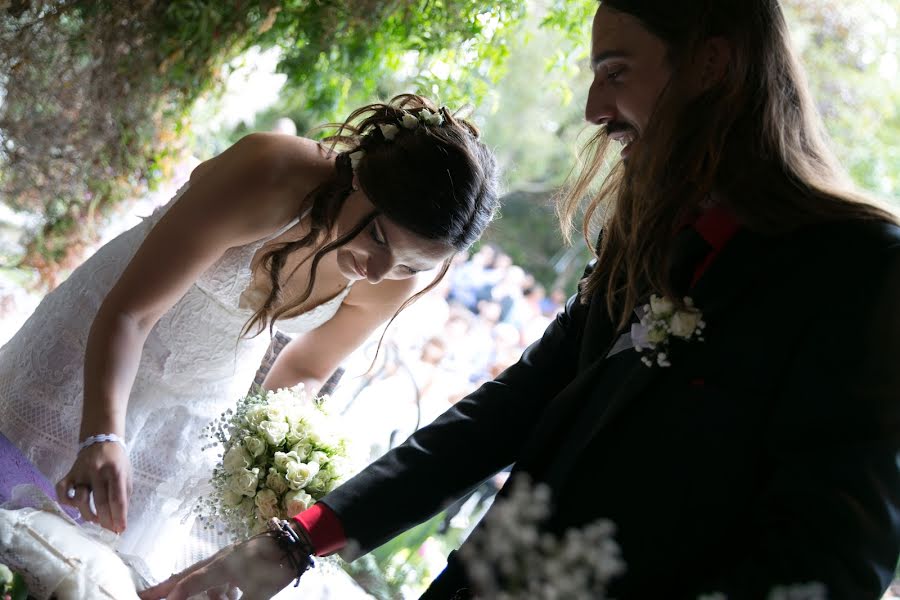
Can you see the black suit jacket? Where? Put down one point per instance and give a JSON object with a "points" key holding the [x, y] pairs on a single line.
{"points": [[766, 455]]}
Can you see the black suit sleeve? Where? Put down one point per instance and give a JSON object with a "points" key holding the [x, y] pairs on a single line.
{"points": [[830, 509], [480, 435]]}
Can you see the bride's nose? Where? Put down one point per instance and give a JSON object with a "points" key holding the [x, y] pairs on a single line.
{"points": [[377, 268]]}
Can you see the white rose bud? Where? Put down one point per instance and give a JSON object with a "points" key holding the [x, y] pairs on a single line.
{"points": [[298, 475], [255, 446], [388, 130], [296, 435], [236, 459], [302, 450], [319, 457], [282, 459], [276, 482], [320, 484], [409, 121], [244, 482], [256, 415], [656, 335], [296, 501], [266, 503], [661, 307], [231, 499], [6, 576], [274, 431], [355, 157], [684, 323], [431, 118]]}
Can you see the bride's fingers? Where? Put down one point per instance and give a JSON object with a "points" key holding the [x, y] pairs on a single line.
{"points": [[82, 501], [161, 590], [117, 497], [62, 491]]}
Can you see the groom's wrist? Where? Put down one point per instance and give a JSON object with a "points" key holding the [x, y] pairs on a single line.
{"points": [[323, 529]]}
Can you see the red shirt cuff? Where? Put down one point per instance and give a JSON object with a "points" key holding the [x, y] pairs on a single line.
{"points": [[324, 528]]}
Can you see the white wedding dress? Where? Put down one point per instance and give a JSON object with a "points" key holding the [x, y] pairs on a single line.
{"points": [[194, 366]]}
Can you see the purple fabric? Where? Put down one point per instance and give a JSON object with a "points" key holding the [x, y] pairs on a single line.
{"points": [[15, 469]]}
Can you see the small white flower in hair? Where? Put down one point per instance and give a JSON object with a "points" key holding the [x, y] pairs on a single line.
{"points": [[430, 118], [355, 157], [388, 130], [409, 121]]}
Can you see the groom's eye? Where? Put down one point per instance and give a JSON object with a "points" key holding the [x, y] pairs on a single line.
{"points": [[376, 235]]}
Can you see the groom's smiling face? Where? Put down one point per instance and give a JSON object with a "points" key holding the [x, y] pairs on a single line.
{"points": [[630, 71]]}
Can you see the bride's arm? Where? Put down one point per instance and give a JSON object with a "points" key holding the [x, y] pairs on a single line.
{"points": [[243, 197], [311, 358]]}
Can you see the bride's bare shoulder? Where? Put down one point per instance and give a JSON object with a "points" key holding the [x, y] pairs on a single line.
{"points": [[279, 155]]}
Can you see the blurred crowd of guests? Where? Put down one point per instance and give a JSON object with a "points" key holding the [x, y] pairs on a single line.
{"points": [[475, 324]]}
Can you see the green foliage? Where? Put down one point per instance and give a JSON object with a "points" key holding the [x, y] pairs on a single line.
{"points": [[97, 93]]}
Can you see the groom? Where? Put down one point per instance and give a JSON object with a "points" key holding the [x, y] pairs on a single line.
{"points": [[764, 454]]}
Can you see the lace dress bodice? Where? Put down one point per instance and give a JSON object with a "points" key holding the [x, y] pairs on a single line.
{"points": [[194, 365]]}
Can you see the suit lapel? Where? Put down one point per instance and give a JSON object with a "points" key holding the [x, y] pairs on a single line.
{"points": [[739, 266]]}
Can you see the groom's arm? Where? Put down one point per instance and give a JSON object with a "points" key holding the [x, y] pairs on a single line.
{"points": [[477, 437]]}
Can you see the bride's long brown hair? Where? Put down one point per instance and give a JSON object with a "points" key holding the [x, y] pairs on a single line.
{"points": [[755, 138], [437, 180]]}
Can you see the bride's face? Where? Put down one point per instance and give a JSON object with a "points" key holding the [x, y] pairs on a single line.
{"points": [[383, 249]]}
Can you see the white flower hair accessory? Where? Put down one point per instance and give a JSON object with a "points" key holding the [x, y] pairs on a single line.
{"points": [[659, 322], [431, 118], [409, 121], [388, 131], [355, 157]]}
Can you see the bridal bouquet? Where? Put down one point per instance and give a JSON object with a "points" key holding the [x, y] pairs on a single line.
{"points": [[281, 453]]}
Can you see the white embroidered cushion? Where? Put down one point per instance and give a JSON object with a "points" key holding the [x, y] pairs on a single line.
{"points": [[57, 558]]}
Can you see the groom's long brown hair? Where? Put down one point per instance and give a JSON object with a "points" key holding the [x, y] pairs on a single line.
{"points": [[755, 138]]}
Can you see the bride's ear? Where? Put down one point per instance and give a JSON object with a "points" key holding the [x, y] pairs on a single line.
{"points": [[354, 184]]}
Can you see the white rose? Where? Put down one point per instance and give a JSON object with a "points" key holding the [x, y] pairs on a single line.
{"points": [[388, 130], [302, 450], [283, 459], [684, 323], [409, 121], [355, 157], [656, 335], [321, 483], [273, 431], [266, 503], [231, 499], [298, 475], [6, 576], [276, 482], [431, 118], [256, 415], [296, 501], [236, 459], [275, 412], [661, 307], [244, 482], [296, 435], [255, 446], [319, 457]]}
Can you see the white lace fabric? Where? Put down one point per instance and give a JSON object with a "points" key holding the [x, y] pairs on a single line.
{"points": [[194, 365]]}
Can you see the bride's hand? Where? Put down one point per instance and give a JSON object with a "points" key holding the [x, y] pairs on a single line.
{"points": [[104, 470], [257, 566]]}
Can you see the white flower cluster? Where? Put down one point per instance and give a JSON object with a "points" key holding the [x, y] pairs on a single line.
{"points": [[281, 454], [509, 558], [389, 131], [660, 320]]}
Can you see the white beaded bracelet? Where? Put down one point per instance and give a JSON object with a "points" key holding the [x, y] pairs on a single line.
{"points": [[103, 437]]}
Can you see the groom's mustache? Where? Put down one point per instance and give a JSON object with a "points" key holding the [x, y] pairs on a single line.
{"points": [[614, 127]]}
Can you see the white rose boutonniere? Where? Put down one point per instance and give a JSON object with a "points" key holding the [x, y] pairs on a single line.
{"points": [[660, 321]]}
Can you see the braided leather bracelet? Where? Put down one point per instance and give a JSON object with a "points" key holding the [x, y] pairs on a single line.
{"points": [[290, 541]]}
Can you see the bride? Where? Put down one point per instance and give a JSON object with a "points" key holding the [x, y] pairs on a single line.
{"points": [[159, 331]]}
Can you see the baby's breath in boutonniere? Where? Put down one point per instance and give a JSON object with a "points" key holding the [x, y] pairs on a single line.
{"points": [[660, 322]]}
